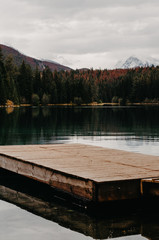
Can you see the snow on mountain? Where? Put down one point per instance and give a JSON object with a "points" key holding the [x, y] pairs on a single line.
{"points": [[133, 62], [50, 61]]}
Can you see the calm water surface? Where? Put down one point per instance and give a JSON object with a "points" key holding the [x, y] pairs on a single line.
{"points": [[129, 128]]}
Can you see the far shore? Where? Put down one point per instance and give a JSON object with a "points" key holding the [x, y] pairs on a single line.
{"points": [[81, 105]]}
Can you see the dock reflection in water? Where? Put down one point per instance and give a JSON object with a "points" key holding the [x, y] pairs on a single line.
{"points": [[42, 201]]}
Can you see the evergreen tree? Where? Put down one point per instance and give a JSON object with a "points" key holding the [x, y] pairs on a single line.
{"points": [[37, 82], [10, 81], [25, 83], [3, 90]]}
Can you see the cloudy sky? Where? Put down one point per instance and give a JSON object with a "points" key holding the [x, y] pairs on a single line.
{"points": [[81, 33]]}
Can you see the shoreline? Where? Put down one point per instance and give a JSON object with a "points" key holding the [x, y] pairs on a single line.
{"points": [[79, 105]]}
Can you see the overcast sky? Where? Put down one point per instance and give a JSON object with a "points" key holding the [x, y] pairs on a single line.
{"points": [[81, 33]]}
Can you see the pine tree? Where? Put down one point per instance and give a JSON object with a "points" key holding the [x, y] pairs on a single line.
{"points": [[10, 81], [3, 90], [25, 83], [37, 82]]}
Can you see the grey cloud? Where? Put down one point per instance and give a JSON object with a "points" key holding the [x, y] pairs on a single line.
{"points": [[80, 27], [77, 4]]}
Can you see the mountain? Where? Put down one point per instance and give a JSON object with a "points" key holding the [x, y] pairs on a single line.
{"points": [[18, 58], [133, 62]]}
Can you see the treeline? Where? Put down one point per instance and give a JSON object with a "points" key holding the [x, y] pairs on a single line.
{"points": [[24, 85]]}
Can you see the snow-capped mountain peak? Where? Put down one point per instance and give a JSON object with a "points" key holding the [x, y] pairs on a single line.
{"points": [[133, 62]]}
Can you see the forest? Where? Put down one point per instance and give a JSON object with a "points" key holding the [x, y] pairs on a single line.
{"points": [[24, 85]]}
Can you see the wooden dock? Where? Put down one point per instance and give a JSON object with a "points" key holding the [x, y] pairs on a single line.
{"points": [[87, 172]]}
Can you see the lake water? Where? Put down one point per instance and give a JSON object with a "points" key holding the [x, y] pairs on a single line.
{"points": [[128, 128]]}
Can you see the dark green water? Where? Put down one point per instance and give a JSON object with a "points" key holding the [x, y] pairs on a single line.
{"points": [[134, 129], [130, 129]]}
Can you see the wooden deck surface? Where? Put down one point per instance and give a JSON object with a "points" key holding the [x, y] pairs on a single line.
{"points": [[89, 163], [96, 163]]}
